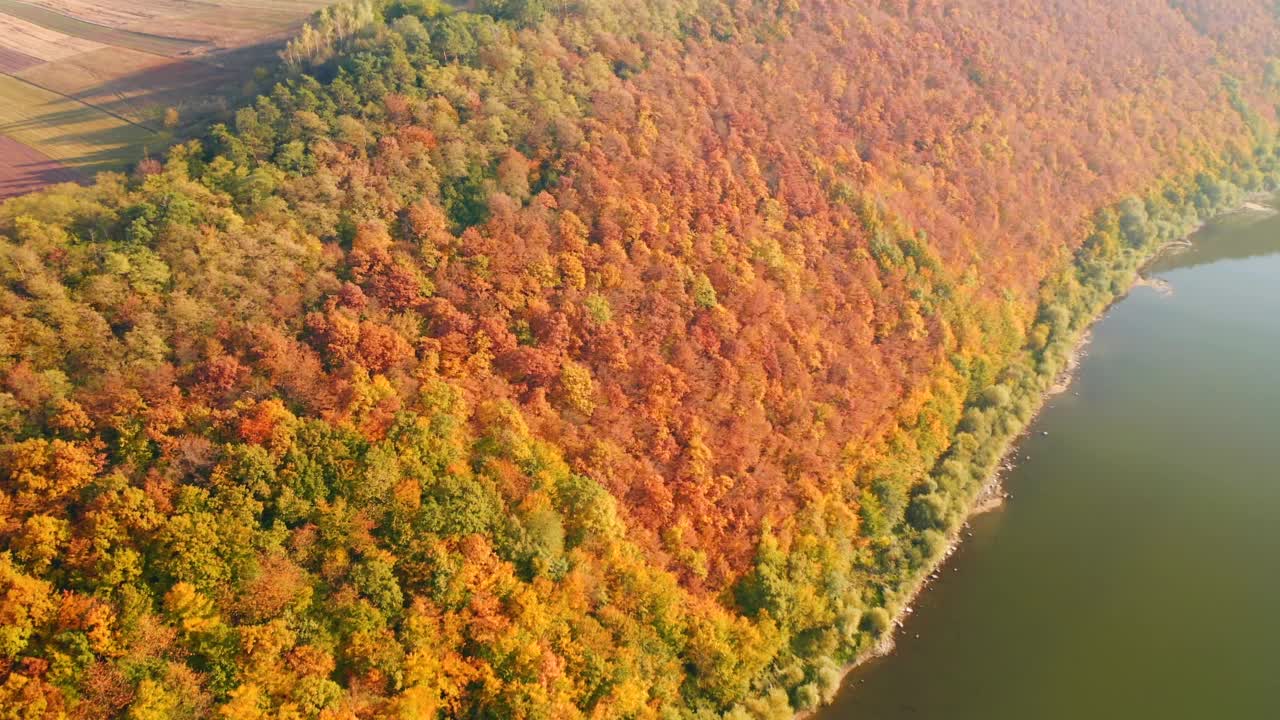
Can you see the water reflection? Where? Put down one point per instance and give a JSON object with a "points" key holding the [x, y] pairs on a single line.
{"points": [[1133, 574], [1251, 232]]}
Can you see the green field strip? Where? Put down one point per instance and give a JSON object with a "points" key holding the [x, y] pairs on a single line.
{"points": [[74, 99], [69, 130]]}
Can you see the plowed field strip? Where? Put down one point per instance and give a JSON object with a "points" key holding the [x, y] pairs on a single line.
{"points": [[157, 44], [23, 169], [12, 61]]}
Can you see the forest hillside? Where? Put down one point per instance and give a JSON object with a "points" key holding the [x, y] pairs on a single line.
{"points": [[576, 358]]}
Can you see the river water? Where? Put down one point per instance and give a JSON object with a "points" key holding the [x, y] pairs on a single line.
{"points": [[1135, 573]]}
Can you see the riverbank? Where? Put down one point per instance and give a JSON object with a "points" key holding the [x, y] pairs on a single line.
{"points": [[991, 494], [1158, 457]]}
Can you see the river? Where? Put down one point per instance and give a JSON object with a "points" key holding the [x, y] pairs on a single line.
{"points": [[1135, 573]]}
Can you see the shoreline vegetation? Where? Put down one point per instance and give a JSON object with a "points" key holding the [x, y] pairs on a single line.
{"points": [[1056, 370], [637, 362]]}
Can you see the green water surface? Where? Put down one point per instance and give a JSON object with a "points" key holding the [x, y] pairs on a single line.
{"points": [[1136, 571]]}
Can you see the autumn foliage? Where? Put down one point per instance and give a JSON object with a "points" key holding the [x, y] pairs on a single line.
{"points": [[573, 359]]}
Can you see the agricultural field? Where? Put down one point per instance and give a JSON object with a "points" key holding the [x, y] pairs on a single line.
{"points": [[87, 86], [75, 27], [186, 23], [68, 130], [23, 169], [40, 42]]}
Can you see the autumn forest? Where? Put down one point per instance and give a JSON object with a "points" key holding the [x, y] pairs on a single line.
{"points": [[576, 358]]}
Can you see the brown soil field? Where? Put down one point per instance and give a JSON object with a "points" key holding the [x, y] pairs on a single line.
{"points": [[88, 71], [112, 78], [124, 13], [218, 22], [40, 42], [236, 22], [23, 169], [141, 86], [146, 41], [12, 61], [227, 28]]}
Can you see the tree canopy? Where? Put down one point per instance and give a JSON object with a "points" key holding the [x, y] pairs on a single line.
{"points": [[569, 358]]}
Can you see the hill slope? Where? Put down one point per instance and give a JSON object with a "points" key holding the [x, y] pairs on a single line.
{"points": [[575, 359]]}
